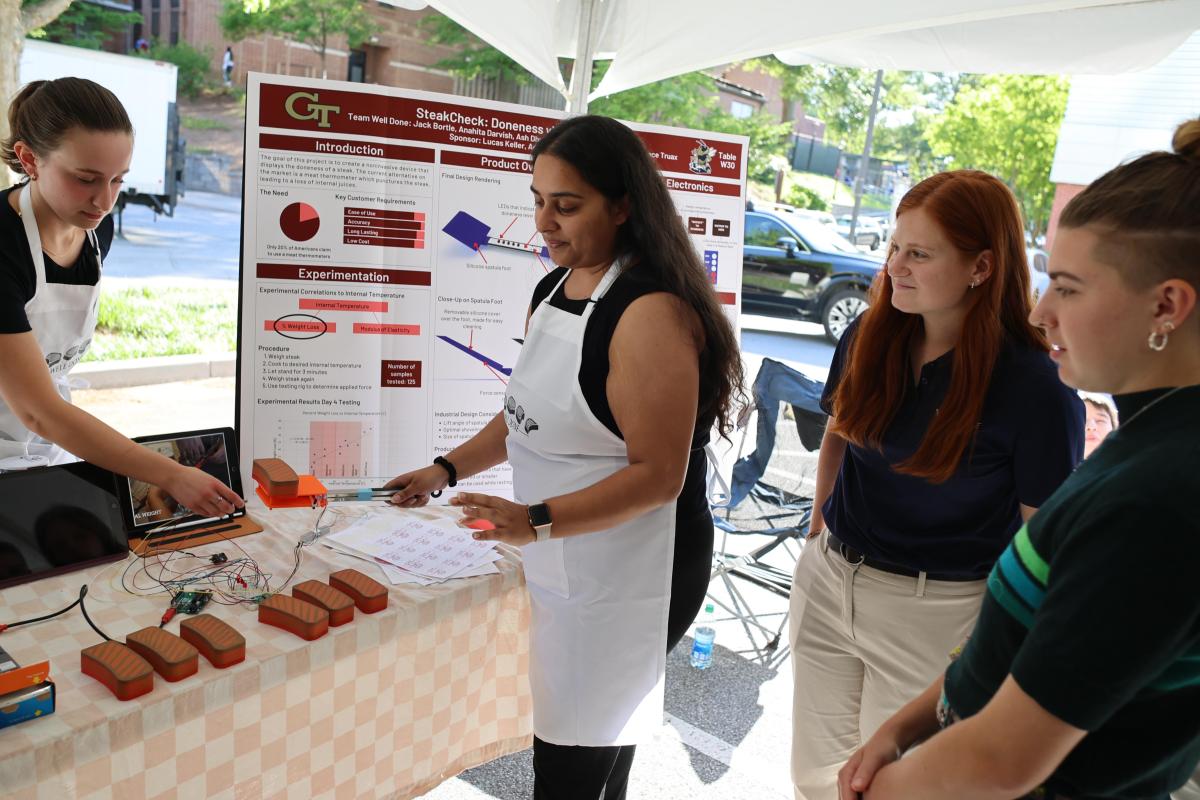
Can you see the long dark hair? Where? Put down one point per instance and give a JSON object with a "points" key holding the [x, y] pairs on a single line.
{"points": [[614, 161], [976, 212], [44, 111]]}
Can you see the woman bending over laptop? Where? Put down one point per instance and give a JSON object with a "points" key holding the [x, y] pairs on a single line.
{"points": [[72, 140]]}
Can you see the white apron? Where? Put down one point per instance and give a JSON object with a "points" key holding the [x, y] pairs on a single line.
{"points": [[599, 600], [63, 318]]}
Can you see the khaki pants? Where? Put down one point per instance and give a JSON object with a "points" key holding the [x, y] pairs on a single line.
{"points": [[1190, 791], [864, 642]]}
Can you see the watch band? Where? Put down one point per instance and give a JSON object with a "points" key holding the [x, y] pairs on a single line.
{"points": [[539, 520]]}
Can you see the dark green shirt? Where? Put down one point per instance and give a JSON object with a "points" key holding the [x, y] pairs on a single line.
{"points": [[1094, 608]]}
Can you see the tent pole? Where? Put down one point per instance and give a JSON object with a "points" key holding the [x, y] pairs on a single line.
{"points": [[865, 164], [585, 47]]}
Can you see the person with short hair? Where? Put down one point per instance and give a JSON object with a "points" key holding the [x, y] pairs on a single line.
{"points": [[1082, 676], [73, 141], [227, 66], [1101, 419], [948, 427]]}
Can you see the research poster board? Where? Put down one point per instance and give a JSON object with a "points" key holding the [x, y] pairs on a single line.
{"points": [[388, 258]]}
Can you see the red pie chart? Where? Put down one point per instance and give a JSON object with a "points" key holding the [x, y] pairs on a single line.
{"points": [[299, 222]]}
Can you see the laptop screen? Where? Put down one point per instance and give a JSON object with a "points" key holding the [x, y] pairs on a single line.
{"points": [[151, 507], [57, 519]]}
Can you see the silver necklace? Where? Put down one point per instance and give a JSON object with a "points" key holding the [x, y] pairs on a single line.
{"points": [[1152, 404]]}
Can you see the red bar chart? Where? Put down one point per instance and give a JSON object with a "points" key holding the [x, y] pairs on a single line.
{"points": [[384, 228]]}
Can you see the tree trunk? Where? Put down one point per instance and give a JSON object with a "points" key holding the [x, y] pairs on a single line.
{"points": [[42, 14], [14, 24], [12, 36], [324, 46]]}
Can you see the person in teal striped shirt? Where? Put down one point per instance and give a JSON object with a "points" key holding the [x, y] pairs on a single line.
{"points": [[1081, 679]]}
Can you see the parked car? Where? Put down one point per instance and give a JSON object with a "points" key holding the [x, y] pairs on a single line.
{"points": [[1039, 261], [823, 217], [797, 268], [866, 232]]}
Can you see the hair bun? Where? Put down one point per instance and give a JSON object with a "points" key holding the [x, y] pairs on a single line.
{"points": [[1186, 141]]}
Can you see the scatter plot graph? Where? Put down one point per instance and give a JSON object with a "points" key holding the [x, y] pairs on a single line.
{"points": [[338, 449]]}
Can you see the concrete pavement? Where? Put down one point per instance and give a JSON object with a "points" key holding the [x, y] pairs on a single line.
{"points": [[201, 242]]}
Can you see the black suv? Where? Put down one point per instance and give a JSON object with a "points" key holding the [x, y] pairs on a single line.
{"points": [[797, 267]]}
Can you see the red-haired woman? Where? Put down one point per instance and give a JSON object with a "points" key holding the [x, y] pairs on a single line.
{"points": [[1082, 676], [948, 427]]}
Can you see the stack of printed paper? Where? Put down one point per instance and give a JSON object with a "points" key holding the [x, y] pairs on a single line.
{"points": [[411, 550]]}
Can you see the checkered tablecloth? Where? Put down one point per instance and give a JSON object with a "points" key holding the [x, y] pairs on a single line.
{"points": [[388, 705]]}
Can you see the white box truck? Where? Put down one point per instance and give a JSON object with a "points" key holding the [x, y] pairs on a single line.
{"points": [[147, 90]]}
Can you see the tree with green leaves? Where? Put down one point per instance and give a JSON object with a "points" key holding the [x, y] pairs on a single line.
{"points": [[316, 23], [473, 57], [838, 96], [1006, 125], [687, 101], [87, 25], [17, 20]]}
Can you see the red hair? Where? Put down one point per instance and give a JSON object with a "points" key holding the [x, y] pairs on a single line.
{"points": [[976, 212]]}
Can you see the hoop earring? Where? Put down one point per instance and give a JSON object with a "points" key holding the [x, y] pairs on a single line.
{"points": [[1158, 339]]}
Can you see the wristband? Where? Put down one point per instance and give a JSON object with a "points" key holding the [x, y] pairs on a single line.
{"points": [[450, 470]]}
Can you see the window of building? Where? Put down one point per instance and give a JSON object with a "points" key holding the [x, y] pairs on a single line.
{"points": [[155, 18], [741, 110], [357, 71], [174, 36]]}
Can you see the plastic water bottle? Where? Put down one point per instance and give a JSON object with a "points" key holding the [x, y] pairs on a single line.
{"points": [[702, 641]]}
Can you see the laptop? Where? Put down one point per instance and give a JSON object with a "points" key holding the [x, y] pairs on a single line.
{"points": [[58, 519], [155, 521]]}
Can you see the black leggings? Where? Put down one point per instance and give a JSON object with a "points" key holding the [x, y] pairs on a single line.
{"points": [[563, 772], [690, 571]]}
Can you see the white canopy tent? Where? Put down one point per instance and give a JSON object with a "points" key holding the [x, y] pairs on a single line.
{"points": [[649, 40]]}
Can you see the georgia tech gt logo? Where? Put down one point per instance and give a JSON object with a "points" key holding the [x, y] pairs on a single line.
{"points": [[313, 111]]}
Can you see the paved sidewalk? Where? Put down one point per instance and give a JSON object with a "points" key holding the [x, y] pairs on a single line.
{"points": [[201, 242], [162, 407]]}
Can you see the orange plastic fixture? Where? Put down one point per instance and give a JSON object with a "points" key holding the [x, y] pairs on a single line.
{"points": [[310, 493]]}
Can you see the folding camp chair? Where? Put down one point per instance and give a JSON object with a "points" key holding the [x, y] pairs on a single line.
{"points": [[749, 506]]}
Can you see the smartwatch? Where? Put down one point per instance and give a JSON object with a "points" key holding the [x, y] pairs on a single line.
{"points": [[539, 520]]}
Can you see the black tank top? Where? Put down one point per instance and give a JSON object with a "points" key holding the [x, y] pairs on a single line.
{"points": [[594, 366]]}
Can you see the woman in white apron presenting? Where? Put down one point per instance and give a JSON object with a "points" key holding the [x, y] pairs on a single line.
{"points": [[627, 363], [73, 140]]}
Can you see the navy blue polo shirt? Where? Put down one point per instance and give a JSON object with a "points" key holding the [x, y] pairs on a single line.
{"points": [[1029, 439]]}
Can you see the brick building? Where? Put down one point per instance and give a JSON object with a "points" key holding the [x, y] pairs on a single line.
{"points": [[396, 54], [743, 92]]}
